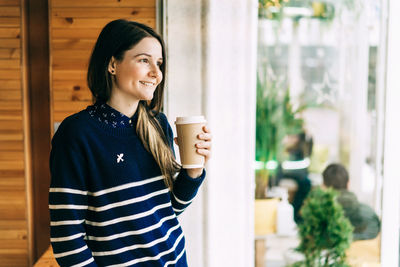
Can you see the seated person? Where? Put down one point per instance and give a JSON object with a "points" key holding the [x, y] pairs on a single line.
{"points": [[363, 218], [299, 149]]}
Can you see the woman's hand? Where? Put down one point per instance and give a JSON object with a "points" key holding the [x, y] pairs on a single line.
{"points": [[203, 148]]}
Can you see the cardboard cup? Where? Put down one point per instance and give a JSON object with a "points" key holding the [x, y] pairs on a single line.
{"points": [[188, 128]]}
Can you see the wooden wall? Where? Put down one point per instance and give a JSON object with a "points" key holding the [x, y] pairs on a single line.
{"points": [[74, 27], [13, 204]]}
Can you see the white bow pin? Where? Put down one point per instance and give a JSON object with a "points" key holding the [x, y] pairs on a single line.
{"points": [[119, 157]]}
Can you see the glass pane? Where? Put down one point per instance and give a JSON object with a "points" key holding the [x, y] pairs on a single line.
{"points": [[316, 106]]}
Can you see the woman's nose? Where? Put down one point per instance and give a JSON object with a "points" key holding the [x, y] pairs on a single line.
{"points": [[155, 71]]}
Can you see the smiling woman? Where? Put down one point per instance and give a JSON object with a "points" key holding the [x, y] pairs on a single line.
{"points": [[116, 189], [137, 74]]}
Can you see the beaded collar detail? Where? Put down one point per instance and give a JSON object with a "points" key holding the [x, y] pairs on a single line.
{"points": [[110, 116]]}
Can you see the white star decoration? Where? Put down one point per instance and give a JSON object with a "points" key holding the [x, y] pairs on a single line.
{"points": [[325, 91]]}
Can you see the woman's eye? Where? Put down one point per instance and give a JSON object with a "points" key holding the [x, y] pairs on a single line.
{"points": [[144, 60], [159, 64]]}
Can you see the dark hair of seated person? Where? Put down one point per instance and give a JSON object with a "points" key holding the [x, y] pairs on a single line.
{"points": [[336, 176]]}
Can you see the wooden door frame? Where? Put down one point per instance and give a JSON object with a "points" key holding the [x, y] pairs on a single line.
{"points": [[37, 118]]}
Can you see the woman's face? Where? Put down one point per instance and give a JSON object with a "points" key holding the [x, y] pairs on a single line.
{"points": [[138, 73]]}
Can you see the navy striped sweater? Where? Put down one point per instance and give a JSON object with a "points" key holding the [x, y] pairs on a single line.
{"points": [[108, 202]]}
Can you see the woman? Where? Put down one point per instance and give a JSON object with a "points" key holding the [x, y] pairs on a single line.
{"points": [[116, 189]]}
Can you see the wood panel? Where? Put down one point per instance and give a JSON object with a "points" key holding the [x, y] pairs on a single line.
{"points": [[14, 259], [47, 259], [10, 22], [13, 204], [10, 11], [13, 183], [10, 43], [67, 44], [10, 125], [10, 84], [38, 82], [99, 12], [11, 145], [71, 95], [103, 3], [10, 135], [70, 85], [10, 105], [7, 32], [10, 3], [10, 95], [10, 74], [84, 23], [10, 64], [10, 53]]}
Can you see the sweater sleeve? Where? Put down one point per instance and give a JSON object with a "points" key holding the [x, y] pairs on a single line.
{"points": [[185, 187], [184, 190], [68, 203]]}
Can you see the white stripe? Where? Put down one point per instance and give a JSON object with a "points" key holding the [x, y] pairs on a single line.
{"points": [[68, 207], [75, 251], [129, 201], [176, 260], [151, 258], [105, 191], [84, 263], [66, 238], [181, 201], [56, 223], [110, 206], [67, 190], [131, 217], [133, 247], [178, 210], [126, 186], [105, 223], [297, 164], [136, 232]]}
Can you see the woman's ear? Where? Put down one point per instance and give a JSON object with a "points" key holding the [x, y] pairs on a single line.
{"points": [[111, 66]]}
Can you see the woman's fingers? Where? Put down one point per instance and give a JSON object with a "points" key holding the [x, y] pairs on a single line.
{"points": [[204, 148], [205, 152], [205, 144], [205, 136]]}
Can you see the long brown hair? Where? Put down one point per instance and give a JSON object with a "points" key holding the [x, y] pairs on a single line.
{"points": [[117, 37]]}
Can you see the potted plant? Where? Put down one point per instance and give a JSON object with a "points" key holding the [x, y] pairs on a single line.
{"points": [[325, 234]]}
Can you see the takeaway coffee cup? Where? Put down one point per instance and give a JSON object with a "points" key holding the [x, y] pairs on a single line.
{"points": [[188, 128]]}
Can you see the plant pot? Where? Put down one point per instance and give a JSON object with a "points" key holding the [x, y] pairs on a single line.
{"points": [[262, 177]]}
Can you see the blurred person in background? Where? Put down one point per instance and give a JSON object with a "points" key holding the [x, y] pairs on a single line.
{"points": [[363, 218], [299, 148]]}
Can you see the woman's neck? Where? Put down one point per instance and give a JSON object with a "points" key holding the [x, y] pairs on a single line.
{"points": [[126, 107]]}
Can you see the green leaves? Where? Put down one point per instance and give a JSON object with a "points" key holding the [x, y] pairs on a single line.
{"points": [[325, 233], [275, 116]]}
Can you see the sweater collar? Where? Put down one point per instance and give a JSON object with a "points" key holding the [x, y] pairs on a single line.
{"points": [[104, 113]]}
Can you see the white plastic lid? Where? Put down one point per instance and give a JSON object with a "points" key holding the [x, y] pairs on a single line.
{"points": [[191, 119]]}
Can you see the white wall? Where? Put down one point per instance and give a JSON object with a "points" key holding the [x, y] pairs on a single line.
{"points": [[391, 182], [212, 71], [184, 97]]}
